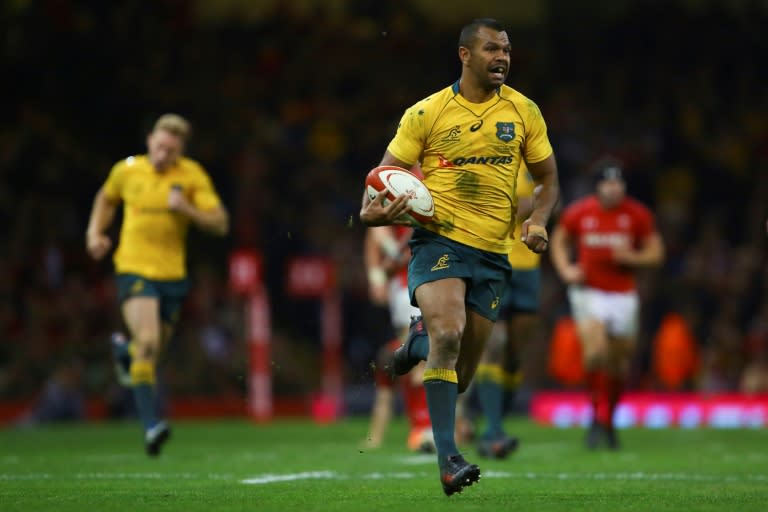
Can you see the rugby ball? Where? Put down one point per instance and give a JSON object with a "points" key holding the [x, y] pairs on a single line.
{"points": [[396, 181]]}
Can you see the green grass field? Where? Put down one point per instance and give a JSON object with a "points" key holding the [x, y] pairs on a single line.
{"points": [[294, 465]]}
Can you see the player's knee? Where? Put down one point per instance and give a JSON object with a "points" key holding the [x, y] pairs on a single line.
{"points": [[446, 329], [498, 338], [594, 346], [494, 351], [445, 340], [593, 356], [147, 351], [146, 347]]}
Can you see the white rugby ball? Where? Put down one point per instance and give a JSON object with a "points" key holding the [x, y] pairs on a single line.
{"points": [[396, 181]]}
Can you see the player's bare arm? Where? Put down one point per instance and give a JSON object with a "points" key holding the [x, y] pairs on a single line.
{"points": [[215, 220], [97, 243], [374, 212], [559, 251], [650, 253], [525, 205], [373, 257], [534, 229]]}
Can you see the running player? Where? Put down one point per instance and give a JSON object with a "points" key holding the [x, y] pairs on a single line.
{"points": [[499, 373], [386, 259], [612, 236], [470, 138], [163, 192]]}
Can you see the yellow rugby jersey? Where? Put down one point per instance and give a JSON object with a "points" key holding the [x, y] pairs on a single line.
{"points": [[152, 237], [470, 154], [520, 256]]}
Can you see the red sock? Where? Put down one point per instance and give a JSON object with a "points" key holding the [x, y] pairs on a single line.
{"points": [[615, 390], [598, 384], [415, 399]]}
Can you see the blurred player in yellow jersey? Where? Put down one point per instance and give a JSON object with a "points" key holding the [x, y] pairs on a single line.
{"points": [[498, 373], [162, 193]]}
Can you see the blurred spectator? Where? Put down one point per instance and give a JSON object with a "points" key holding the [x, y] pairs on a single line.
{"points": [[754, 379], [62, 397]]}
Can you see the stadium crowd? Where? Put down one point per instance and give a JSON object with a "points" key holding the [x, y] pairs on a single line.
{"points": [[290, 110]]}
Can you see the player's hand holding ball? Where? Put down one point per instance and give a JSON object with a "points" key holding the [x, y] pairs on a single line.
{"points": [[381, 212], [394, 195]]}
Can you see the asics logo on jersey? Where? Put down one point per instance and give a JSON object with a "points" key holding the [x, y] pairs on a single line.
{"points": [[442, 263], [476, 126]]}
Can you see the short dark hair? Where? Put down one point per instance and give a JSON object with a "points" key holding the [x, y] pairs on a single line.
{"points": [[607, 167], [468, 33]]}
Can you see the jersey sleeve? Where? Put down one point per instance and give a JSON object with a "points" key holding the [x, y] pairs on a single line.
{"points": [[113, 187], [525, 184], [410, 138], [536, 146], [644, 224], [569, 219], [204, 195]]}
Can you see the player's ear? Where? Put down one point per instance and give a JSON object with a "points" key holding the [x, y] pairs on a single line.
{"points": [[464, 55]]}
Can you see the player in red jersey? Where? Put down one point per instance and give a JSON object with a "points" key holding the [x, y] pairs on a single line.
{"points": [[611, 236], [386, 260]]}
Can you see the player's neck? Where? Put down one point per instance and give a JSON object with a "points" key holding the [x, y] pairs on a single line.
{"points": [[473, 92], [609, 205], [162, 169]]}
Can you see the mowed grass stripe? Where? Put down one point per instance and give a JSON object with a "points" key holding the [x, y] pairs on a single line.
{"points": [[299, 465]]}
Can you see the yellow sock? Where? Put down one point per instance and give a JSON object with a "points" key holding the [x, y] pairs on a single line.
{"points": [[142, 372], [512, 380], [441, 374], [490, 372]]}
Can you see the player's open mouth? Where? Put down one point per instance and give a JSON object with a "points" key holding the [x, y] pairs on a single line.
{"points": [[498, 72]]}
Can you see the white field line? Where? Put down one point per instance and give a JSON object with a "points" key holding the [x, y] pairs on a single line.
{"points": [[122, 475], [623, 477], [272, 478]]}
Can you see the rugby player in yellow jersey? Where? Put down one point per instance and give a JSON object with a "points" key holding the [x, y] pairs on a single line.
{"points": [[498, 373], [162, 193], [470, 138]]}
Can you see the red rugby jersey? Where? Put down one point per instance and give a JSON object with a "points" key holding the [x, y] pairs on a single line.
{"points": [[598, 232]]}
